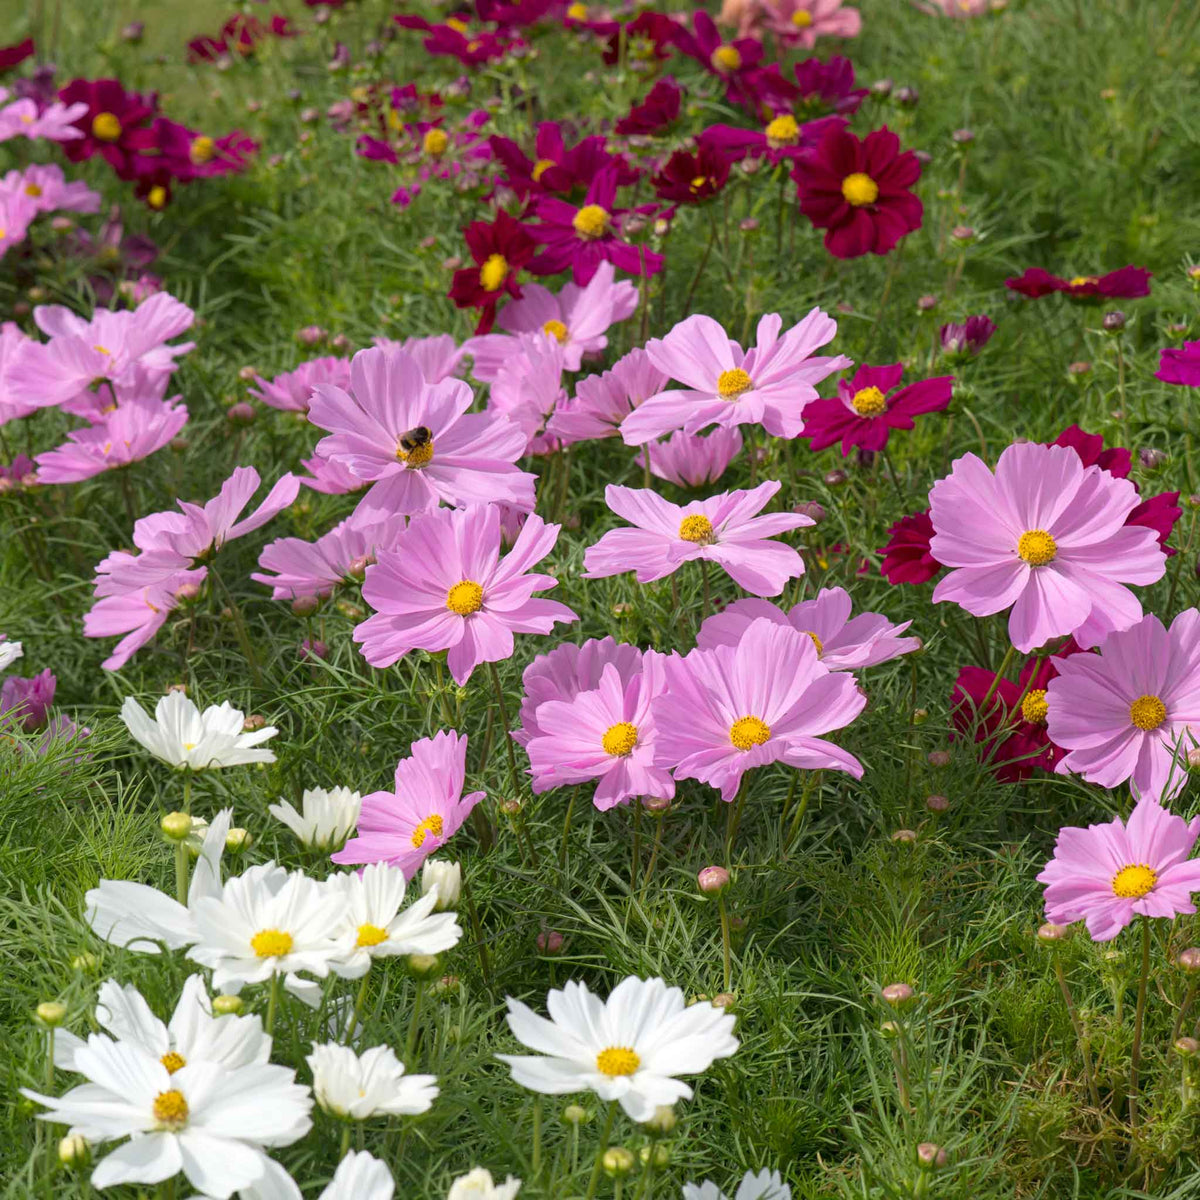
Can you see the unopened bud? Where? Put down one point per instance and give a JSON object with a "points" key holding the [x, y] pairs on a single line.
{"points": [[811, 509], [74, 1150], [84, 962], [445, 985], [937, 804], [50, 1013], [1150, 458], [575, 1114], [313, 648], [881, 89], [132, 32], [187, 593], [962, 137], [1189, 960], [237, 839], [176, 826], [835, 478], [963, 234], [240, 413], [226, 1005], [358, 568], [510, 807], [1049, 933], [247, 374], [447, 878], [907, 97], [939, 758], [927, 304], [712, 880], [725, 1000], [920, 716], [663, 1121], [305, 606], [904, 836], [658, 1155], [549, 941], [422, 966], [889, 1030], [1113, 321], [617, 1161], [1187, 1047], [898, 994], [656, 805], [931, 1156]]}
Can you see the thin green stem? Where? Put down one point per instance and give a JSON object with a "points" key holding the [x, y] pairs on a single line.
{"points": [[562, 850], [1188, 997], [514, 781], [1085, 1049], [660, 820], [485, 965], [356, 1012], [344, 1149], [181, 872], [594, 1181], [537, 1134], [1000, 674], [1135, 1054], [410, 1044], [272, 1003], [810, 785], [725, 951], [734, 818]]}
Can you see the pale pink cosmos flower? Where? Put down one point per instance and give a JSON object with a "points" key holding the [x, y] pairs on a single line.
{"points": [[292, 390], [528, 388], [607, 734], [415, 440], [55, 123], [801, 22], [692, 459], [405, 826], [17, 213], [10, 408], [1046, 536], [723, 529], [603, 401], [44, 185], [1131, 712], [439, 356], [332, 478], [767, 385], [131, 432], [842, 642], [444, 586], [136, 384], [767, 699], [1108, 874], [138, 615]]}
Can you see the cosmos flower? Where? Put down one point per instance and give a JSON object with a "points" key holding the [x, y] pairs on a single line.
{"points": [[184, 737], [500, 249], [628, 1048], [763, 1185], [1127, 283], [527, 388], [405, 826], [1131, 712], [689, 177], [140, 612], [109, 122], [25, 702], [439, 356], [444, 587], [9, 652], [478, 1184], [729, 61], [455, 39], [963, 340], [292, 390], [1180, 366], [11, 409], [1045, 536], [655, 113], [357, 1087], [868, 407], [30, 119], [45, 187], [858, 191], [601, 402], [556, 167], [770, 384], [360, 1177], [1107, 874], [801, 22], [782, 138], [325, 819], [692, 459]]}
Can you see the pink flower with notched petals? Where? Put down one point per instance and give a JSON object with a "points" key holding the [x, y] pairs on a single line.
{"points": [[770, 384], [415, 440], [801, 22], [55, 122], [692, 459], [767, 699], [292, 390], [1045, 536], [602, 402], [424, 811], [1133, 710], [608, 735], [138, 615], [843, 643], [444, 586], [331, 478], [439, 356], [1108, 874], [723, 529], [528, 388], [17, 213], [44, 185], [11, 409]]}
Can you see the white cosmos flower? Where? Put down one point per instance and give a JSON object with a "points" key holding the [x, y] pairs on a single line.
{"points": [[360, 1177], [374, 1084], [325, 819], [208, 1121], [446, 877], [376, 926], [478, 1185], [267, 924], [766, 1185], [194, 1035], [628, 1048], [183, 736], [9, 652]]}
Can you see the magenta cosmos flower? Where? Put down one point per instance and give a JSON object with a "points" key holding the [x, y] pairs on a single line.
{"points": [[1045, 536], [692, 459], [607, 735], [405, 826], [291, 391], [1127, 283], [415, 440], [767, 699], [842, 642], [1180, 366], [602, 402], [723, 529], [867, 408], [1133, 710], [140, 614], [1107, 874], [444, 586], [770, 384]]}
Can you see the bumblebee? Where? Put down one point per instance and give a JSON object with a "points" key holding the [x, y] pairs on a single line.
{"points": [[414, 439]]}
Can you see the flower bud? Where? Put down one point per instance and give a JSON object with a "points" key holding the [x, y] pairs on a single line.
{"points": [[962, 137], [907, 97], [663, 1121], [937, 804], [931, 1156], [510, 807], [175, 826], [311, 335], [132, 32], [920, 716], [712, 880], [617, 1161], [305, 606], [187, 593], [881, 89], [358, 568], [811, 509], [422, 966], [963, 234], [725, 1000], [313, 648], [657, 806], [74, 1150], [237, 839], [927, 304], [835, 478], [252, 722], [898, 995], [240, 413], [550, 941], [1189, 960], [889, 1030], [50, 1013], [84, 962], [1150, 458], [1050, 934], [576, 1114], [904, 836], [1187, 1047], [939, 758], [447, 878], [445, 985], [748, 225], [658, 1155]]}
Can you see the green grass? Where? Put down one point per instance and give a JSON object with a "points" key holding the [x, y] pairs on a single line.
{"points": [[1087, 135]]}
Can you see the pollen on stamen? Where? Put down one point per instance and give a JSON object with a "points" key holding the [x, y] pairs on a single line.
{"points": [[171, 1109], [802, 18], [464, 598], [1134, 881], [1034, 708], [698, 529], [617, 1060], [1037, 547], [591, 222], [859, 189], [557, 330], [783, 131], [868, 402], [271, 943], [436, 142], [493, 273], [372, 935], [733, 383], [431, 824], [620, 739], [726, 58], [1147, 713], [173, 1061], [818, 645], [747, 732]]}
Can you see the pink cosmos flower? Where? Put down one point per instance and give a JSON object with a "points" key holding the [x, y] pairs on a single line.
{"points": [[17, 213], [55, 122], [11, 409], [603, 401], [438, 356], [1107, 874], [842, 642], [443, 586], [332, 478], [568, 670], [722, 529], [292, 390], [692, 459], [131, 432], [767, 385], [424, 811], [733, 708], [577, 318], [801, 22], [138, 615], [46, 188], [607, 734], [1133, 710], [415, 440], [1045, 536], [528, 388]]}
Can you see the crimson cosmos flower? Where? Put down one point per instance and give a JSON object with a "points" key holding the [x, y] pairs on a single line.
{"points": [[907, 558], [455, 39], [1180, 366], [10, 56], [108, 126], [1126, 284], [656, 112], [688, 178], [556, 168], [648, 40], [500, 249]]}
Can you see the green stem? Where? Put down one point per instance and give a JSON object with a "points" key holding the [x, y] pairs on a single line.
{"points": [[1004, 665], [707, 610], [356, 1013], [810, 785], [725, 938], [345, 1146], [537, 1134], [272, 1003], [635, 863], [187, 792], [658, 840], [485, 966], [1188, 997], [410, 1044], [513, 780], [735, 816], [1135, 1055], [181, 872], [1085, 1049], [594, 1181], [239, 628], [562, 850]]}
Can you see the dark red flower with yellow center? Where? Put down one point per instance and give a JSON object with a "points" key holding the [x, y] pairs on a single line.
{"points": [[688, 178], [500, 249], [656, 112], [1125, 284], [907, 557], [858, 191], [455, 38], [108, 126], [556, 167]]}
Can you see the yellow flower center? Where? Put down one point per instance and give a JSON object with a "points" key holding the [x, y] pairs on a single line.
{"points": [[617, 1060], [860, 189], [465, 598], [32, 189], [749, 731], [620, 739], [726, 58], [106, 127], [156, 197], [372, 935], [698, 182], [203, 149], [415, 448], [731, 384], [541, 167], [1034, 707], [783, 131], [435, 142], [457, 25], [578, 12], [1037, 547], [173, 1061], [801, 18], [493, 273], [271, 943], [102, 350], [1147, 712], [431, 824], [868, 402], [1134, 881], [170, 1109], [697, 528], [817, 643], [591, 222], [556, 329], [1081, 280]]}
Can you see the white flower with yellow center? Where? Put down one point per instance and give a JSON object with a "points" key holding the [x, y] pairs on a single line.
{"points": [[628, 1048], [326, 818], [9, 653], [374, 1084], [765, 1185], [479, 1185], [184, 737], [375, 926]]}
